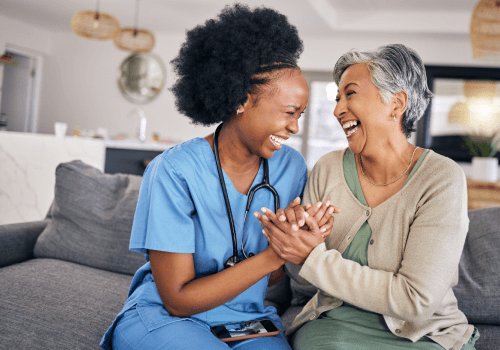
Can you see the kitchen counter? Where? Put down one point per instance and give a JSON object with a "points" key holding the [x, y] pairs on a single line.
{"points": [[28, 162]]}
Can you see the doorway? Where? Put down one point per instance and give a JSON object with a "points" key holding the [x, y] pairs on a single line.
{"points": [[21, 90]]}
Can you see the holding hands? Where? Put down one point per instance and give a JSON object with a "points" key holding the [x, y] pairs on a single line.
{"points": [[295, 231]]}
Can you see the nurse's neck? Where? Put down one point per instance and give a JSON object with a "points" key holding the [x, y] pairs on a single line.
{"points": [[236, 159]]}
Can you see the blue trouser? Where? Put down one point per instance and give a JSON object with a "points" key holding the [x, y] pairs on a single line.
{"points": [[130, 333]]}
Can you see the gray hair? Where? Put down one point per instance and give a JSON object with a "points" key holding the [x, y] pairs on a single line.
{"points": [[393, 68]]}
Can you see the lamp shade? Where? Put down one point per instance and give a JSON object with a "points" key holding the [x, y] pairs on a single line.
{"points": [[485, 30], [94, 25], [135, 40]]}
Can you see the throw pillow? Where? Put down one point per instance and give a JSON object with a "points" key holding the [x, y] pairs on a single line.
{"points": [[91, 219]]}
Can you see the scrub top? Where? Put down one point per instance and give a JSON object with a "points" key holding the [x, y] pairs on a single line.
{"points": [[181, 209]]}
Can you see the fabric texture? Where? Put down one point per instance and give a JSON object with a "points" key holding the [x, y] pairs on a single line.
{"points": [[55, 304], [92, 217], [181, 209], [411, 272], [17, 241], [131, 334], [478, 289]]}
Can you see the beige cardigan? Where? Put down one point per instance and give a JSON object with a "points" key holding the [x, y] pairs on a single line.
{"points": [[417, 239]]}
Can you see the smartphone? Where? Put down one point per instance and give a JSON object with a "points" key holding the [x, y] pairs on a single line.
{"points": [[245, 330]]}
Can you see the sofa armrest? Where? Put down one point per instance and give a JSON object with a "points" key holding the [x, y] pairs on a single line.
{"points": [[18, 240]]}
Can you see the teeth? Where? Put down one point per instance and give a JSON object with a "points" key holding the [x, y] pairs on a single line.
{"points": [[350, 132], [349, 124], [277, 139]]}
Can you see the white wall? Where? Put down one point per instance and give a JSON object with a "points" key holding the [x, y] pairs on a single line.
{"points": [[79, 78], [80, 89]]}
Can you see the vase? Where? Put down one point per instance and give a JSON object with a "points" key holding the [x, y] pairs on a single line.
{"points": [[485, 168]]}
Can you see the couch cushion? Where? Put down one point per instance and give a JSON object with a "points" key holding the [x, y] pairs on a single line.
{"points": [[302, 291], [489, 337], [91, 219], [54, 304], [478, 289]]}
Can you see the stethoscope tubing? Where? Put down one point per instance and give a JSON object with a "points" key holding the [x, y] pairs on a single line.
{"points": [[264, 184]]}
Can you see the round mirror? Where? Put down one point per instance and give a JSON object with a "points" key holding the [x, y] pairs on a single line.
{"points": [[141, 77]]}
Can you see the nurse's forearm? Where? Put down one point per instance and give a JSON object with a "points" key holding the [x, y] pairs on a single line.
{"points": [[199, 295]]}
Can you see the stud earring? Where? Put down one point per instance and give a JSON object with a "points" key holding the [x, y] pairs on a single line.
{"points": [[394, 118], [237, 111]]}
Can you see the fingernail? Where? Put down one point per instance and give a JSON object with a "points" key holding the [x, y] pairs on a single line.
{"points": [[301, 223], [306, 215], [256, 214], [295, 227], [282, 218], [323, 229], [318, 204], [330, 210], [264, 232], [263, 209], [327, 203]]}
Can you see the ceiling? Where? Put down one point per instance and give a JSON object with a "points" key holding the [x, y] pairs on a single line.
{"points": [[312, 17]]}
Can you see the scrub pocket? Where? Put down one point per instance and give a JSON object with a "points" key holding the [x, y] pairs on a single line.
{"points": [[472, 340]]}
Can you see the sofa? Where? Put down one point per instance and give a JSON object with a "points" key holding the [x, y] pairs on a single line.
{"points": [[63, 279]]}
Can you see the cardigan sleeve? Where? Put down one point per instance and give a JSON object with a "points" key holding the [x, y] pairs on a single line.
{"points": [[311, 196], [430, 256]]}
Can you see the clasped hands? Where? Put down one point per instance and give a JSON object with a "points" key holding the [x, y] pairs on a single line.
{"points": [[295, 231]]}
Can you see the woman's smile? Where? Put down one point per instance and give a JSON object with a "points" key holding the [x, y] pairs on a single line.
{"points": [[276, 141]]}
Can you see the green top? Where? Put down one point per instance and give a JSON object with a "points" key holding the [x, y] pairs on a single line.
{"points": [[357, 250]]}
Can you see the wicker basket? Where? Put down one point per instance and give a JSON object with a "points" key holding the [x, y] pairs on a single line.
{"points": [[94, 25], [485, 30], [135, 40]]}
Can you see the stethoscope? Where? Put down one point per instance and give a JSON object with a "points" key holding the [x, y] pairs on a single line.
{"points": [[233, 260]]}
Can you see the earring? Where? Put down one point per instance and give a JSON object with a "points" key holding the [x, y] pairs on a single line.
{"points": [[394, 118], [237, 111]]}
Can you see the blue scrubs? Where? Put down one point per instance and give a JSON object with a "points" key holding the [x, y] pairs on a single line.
{"points": [[181, 209]]}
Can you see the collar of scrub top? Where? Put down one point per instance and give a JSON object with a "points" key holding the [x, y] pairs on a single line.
{"points": [[233, 260]]}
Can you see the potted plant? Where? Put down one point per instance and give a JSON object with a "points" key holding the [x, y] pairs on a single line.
{"points": [[483, 150]]}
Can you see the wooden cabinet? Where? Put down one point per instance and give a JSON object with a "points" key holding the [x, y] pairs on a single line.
{"points": [[482, 194]]}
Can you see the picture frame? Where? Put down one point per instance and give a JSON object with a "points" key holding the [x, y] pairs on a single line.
{"points": [[437, 134]]}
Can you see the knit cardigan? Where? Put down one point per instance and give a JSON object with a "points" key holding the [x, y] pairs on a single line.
{"points": [[417, 239]]}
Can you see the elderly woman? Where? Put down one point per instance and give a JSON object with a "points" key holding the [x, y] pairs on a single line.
{"points": [[385, 273]]}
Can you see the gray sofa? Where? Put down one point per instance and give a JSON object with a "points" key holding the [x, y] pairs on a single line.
{"points": [[63, 279]]}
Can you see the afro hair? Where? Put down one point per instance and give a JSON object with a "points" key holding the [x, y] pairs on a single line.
{"points": [[217, 61]]}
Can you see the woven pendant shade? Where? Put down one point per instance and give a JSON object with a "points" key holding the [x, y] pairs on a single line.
{"points": [[485, 30], [135, 40], [94, 25]]}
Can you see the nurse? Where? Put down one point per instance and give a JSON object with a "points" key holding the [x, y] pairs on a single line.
{"points": [[239, 70]]}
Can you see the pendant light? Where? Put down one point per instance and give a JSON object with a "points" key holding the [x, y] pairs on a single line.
{"points": [[94, 24], [485, 30], [134, 39]]}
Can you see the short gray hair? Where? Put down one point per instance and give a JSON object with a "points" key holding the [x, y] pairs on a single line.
{"points": [[393, 68]]}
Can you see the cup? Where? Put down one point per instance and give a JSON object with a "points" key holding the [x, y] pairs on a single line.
{"points": [[60, 129]]}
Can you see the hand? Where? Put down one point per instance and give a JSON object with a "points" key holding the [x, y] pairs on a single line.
{"points": [[292, 245], [296, 214]]}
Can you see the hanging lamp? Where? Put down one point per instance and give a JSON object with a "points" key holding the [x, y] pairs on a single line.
{"points": [[485, 30], [134, 39], [94, 24]]}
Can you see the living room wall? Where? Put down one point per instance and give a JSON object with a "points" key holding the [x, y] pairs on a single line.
{"points": [[79, 77]]}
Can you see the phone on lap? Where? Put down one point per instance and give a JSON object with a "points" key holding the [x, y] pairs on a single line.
{"points": [[244, 330]]}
